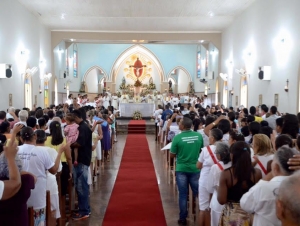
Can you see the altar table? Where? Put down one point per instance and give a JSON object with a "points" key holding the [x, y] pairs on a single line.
{"points": [[127, 109]]}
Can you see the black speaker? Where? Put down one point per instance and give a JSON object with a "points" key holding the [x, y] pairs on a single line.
{"points": [[261, 75], [8, 71]]}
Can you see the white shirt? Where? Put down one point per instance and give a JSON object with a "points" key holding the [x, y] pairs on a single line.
{"points": [[51, 179], [36, 160], [264, 159], [69, 101], [157, 113], [207, 163], [225, 138], [261, 201], [205, 138], [213, 184], [1, 189]]}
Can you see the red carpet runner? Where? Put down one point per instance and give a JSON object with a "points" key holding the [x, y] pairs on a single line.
{"points": [[135, 199], [137, 127]]}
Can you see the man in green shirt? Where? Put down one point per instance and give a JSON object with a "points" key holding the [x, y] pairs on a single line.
{"points": [[186, 147]]}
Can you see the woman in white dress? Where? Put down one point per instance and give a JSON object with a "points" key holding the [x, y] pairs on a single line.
{"points": [[115, 101], [224, 162], [206, 160]]}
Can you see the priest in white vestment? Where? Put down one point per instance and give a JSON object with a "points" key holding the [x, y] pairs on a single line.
{"points": [[115, 101], [159, 99], [106, 100], [124, 98], [150, 98]]}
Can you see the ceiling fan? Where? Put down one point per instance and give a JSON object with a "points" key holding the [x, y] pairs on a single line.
{"points": [[241, 72]]}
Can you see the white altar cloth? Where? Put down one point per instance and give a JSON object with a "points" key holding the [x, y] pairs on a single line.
{"points": [[127, 109]]}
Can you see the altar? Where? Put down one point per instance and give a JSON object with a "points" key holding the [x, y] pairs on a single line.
{"points": [[127, 109]]}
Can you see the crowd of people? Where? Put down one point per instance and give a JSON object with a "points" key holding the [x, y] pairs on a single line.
{"points": [[241, 164], [72, 138]]}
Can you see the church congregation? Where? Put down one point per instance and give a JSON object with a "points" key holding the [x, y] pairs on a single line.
{"points": [[150, 113]]}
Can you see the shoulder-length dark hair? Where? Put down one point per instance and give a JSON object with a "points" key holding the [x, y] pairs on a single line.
{"points": [[241, 161], [290, 125], [56, 133]]}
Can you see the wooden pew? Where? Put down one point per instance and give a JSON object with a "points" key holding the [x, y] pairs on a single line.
{"points": [[50, 215], [62, 203], [30, 216]]}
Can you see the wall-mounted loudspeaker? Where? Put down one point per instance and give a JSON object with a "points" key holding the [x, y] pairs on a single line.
{"points": [[5, 71], [264, 73]]}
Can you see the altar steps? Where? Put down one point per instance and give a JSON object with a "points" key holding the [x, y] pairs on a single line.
{"points": [[124, 128]]}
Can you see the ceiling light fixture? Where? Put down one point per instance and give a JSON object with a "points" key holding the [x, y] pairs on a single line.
{"points": [[201, 41], [134, 40], [62, 16], [211, 14], [72, 40]]}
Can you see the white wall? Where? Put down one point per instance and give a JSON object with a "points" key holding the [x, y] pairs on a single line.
{"points": [[259, 30], [183, 81], [21, 30]]}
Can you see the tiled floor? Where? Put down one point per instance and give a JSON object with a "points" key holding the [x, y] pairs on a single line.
{"points": [[101, 191]]}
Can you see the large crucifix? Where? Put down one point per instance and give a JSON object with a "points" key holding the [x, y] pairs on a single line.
{"points": [[138, 68]]}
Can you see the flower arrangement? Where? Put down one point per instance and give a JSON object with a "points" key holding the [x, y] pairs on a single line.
{"points": [[122, 86], [152, 86], [137, 83], [137, 115]]}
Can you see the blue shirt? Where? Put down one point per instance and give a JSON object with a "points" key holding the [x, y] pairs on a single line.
{"points": [[165, 113]]}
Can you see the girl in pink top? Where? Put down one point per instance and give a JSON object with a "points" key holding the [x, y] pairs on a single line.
{"points": [[71, 133]]}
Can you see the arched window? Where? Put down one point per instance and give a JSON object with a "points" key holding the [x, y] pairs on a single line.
{"points": [[217, 92], [46, 93], [55, 92], [244, 91], [225, 93], [68, 89], [28, 92]]}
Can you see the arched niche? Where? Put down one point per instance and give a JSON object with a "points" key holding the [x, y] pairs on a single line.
{"points": [[92, 79], [117, 73], [182, 79]]}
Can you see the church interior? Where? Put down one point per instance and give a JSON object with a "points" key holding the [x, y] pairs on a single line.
{"points": [[146, 104]]}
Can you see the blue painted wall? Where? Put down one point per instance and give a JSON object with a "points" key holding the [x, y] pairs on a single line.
{"points": [[104, 56]]}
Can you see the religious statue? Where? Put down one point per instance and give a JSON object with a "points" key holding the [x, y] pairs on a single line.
{"points": [[150, 80], [192, 88], [138, 68], [104, 82], [123, 80], [170, 84], [82, 87]]}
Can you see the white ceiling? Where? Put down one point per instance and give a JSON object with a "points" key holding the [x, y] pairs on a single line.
{"points": [[137, 15]]}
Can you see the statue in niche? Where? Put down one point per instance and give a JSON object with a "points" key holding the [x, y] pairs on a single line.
{"points": [[170, 85], [192, 90], [151, 80], [123, 80], [82, 87]]}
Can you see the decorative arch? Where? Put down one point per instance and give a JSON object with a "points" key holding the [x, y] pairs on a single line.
{"points": [[135, 49], [92, 68], [182, 68]]}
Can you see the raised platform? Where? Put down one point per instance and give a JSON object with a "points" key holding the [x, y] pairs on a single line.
{"points": [[122, 126]]}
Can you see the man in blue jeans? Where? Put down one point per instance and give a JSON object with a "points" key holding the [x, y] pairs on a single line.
{"points": [[80, 172], [186, 147]]}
